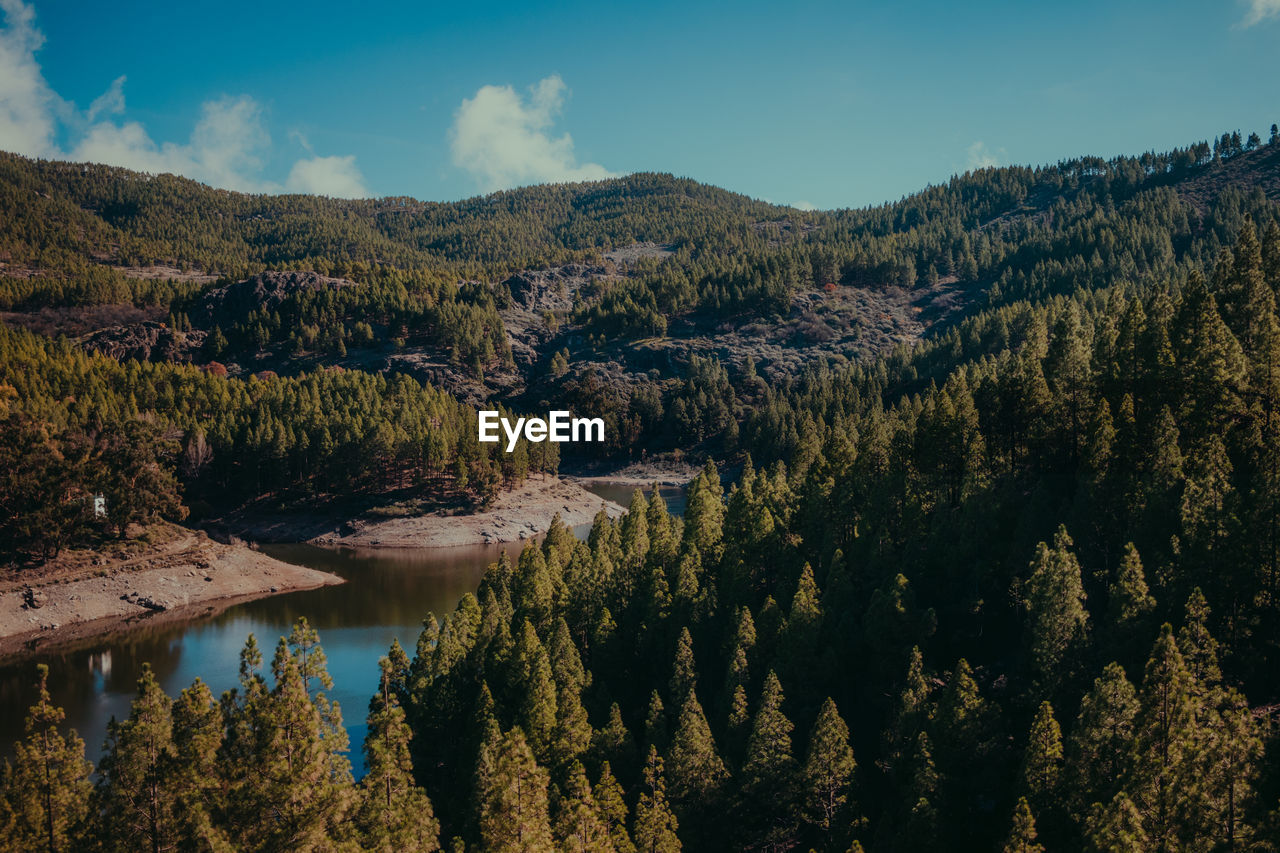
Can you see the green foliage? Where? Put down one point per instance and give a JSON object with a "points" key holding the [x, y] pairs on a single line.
{"points": [[1056, 614], [46, 787], [901, 554], [514, 809], [392, 813], [1022, 837], [655, 824]]}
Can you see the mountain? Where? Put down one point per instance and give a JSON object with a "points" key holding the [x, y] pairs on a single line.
{"points": [[999, 564], [618, 278]]}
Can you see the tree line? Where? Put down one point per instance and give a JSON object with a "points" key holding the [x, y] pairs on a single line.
{"points": [[150, 435]]}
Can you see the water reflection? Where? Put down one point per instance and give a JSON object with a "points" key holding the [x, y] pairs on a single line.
{"points": [[387, 595]]}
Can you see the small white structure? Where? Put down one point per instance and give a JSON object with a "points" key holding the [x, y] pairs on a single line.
{"points": [[99, 506]]}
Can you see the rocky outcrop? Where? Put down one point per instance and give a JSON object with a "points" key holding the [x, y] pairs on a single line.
{"points": [[149, 340], [229, 304], [552, 289]]}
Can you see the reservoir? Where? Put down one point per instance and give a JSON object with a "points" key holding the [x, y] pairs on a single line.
{"points": [[387, 595]]}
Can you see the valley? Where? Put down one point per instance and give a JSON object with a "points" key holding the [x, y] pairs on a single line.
{"points": [[937, 524]]}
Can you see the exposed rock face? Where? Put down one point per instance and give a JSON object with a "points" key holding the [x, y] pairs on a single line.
{"points": [[263, 291], [628, 255], [552, 289], [146, 341]]}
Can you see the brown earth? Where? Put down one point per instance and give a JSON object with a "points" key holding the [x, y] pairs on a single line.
{"points": [[180, 574], [518, 514], [167, 273], [657, 472]]}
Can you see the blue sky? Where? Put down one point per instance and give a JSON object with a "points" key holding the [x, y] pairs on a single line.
{"points": [[830, 104]]}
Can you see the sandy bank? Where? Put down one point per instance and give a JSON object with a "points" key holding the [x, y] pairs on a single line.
{"points": [[518, 514], [81, 594], [643, 475]]}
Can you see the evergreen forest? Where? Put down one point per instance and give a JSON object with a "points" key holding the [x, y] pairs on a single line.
{"points": [[1012, 584]]}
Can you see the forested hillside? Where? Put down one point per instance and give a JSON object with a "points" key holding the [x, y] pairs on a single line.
{"points": [[1011, 584]]}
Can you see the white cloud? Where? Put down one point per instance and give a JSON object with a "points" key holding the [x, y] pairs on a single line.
{"points": [[502, 138], [981, 157], [27, 104], [110, 102], [1259, 11], [332, 176], [804, 205], [222, 152], [225, 148]]}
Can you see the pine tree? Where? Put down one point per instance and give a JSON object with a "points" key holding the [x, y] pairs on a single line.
{"points": [[704, 514], [656, 733], [1225, 772], [689, 598], [47, 787], [1206, 500], [392, 812], [1131, 600], [1210, 362], [290, 783], [912, 711], [1022, 837], [655, 825], [769, 776], [613, 809], [698, 774], [513, 802], [684, 670], [1159, 779], [738, 673], [1070, 375], [1042, 761], [1117, 827], [614, 745], [566, 663], [579, 828], [739, 721], [197, 738], [1056, 614], [137, 789], [969, 749], [804, 626], [1198, 647], [828, 770], [534, 591], [1130, 604], [634, 541], [920, 814], [1222, 766], [536, 690], [573, 732], [1099, 744]]}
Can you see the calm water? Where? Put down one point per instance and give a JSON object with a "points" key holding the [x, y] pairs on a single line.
{"points": [[387, 595]]}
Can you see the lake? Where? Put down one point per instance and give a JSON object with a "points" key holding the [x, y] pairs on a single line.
{"points": [[387, 595]]}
